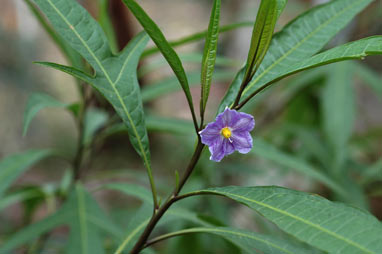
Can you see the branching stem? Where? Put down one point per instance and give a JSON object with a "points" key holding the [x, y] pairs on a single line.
{"points": [[170, 200]]}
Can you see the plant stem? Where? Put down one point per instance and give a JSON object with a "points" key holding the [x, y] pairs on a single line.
{"points": [[242, 87], [170, 200], [77, 162]]}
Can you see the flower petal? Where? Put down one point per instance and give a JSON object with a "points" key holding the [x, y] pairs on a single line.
{"points": [[242, 141], [228, 147], [244, 122], [227, 116], [210, 133], [221, 149], [216, 149]]}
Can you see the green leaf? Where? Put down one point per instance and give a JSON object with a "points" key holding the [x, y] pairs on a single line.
{"points": [[73, 57], [116, 76], [197, 36], [13, 166], [299, 40], [37, 102], [267, 151], [250, 242], [209, 55], [84, 236], [85, 219], [69, 70], [329, 226], [352, 50], [167, 51], [33, 231], [79, 29], [338, 112], [18, 196], [280, 5], [261, 36]]}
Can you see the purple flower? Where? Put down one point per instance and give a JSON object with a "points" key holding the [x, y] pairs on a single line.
{"points": [[228, 133]]}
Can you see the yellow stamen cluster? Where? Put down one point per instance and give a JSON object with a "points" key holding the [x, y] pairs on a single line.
{"points": [[226, 132]]}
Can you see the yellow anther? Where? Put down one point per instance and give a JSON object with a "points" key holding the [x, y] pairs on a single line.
{"points": [[226, 132]]}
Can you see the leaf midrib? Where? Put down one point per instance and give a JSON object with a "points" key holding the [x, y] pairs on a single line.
{"points": [[297, 46], [112, 84], [296, 218]]}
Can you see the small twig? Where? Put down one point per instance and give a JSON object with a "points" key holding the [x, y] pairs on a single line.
{"points": [[243, 85], [77, 162], [170, 200]]}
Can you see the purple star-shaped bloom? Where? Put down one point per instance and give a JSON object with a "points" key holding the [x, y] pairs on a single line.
{"points": [[228, 133]]}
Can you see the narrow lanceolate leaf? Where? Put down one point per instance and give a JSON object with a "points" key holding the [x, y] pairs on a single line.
{"points": [[115, 76], [332, 227], [338, 112], [250, 242], [280, 5], [69, 70], [37, 102], [167, 51], [209, 55], [17, 197], [85, 219], [261, 36], [352, 50], [300, 39], [84, 236], [13, 166]]}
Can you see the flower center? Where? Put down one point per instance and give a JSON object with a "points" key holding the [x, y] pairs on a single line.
{"points": [[226, 132]]}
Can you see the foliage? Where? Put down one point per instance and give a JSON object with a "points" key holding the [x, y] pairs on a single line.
{"points": [[314, 140]]}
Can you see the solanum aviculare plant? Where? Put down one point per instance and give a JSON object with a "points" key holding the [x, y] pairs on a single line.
{"points": [[319, 225]]}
